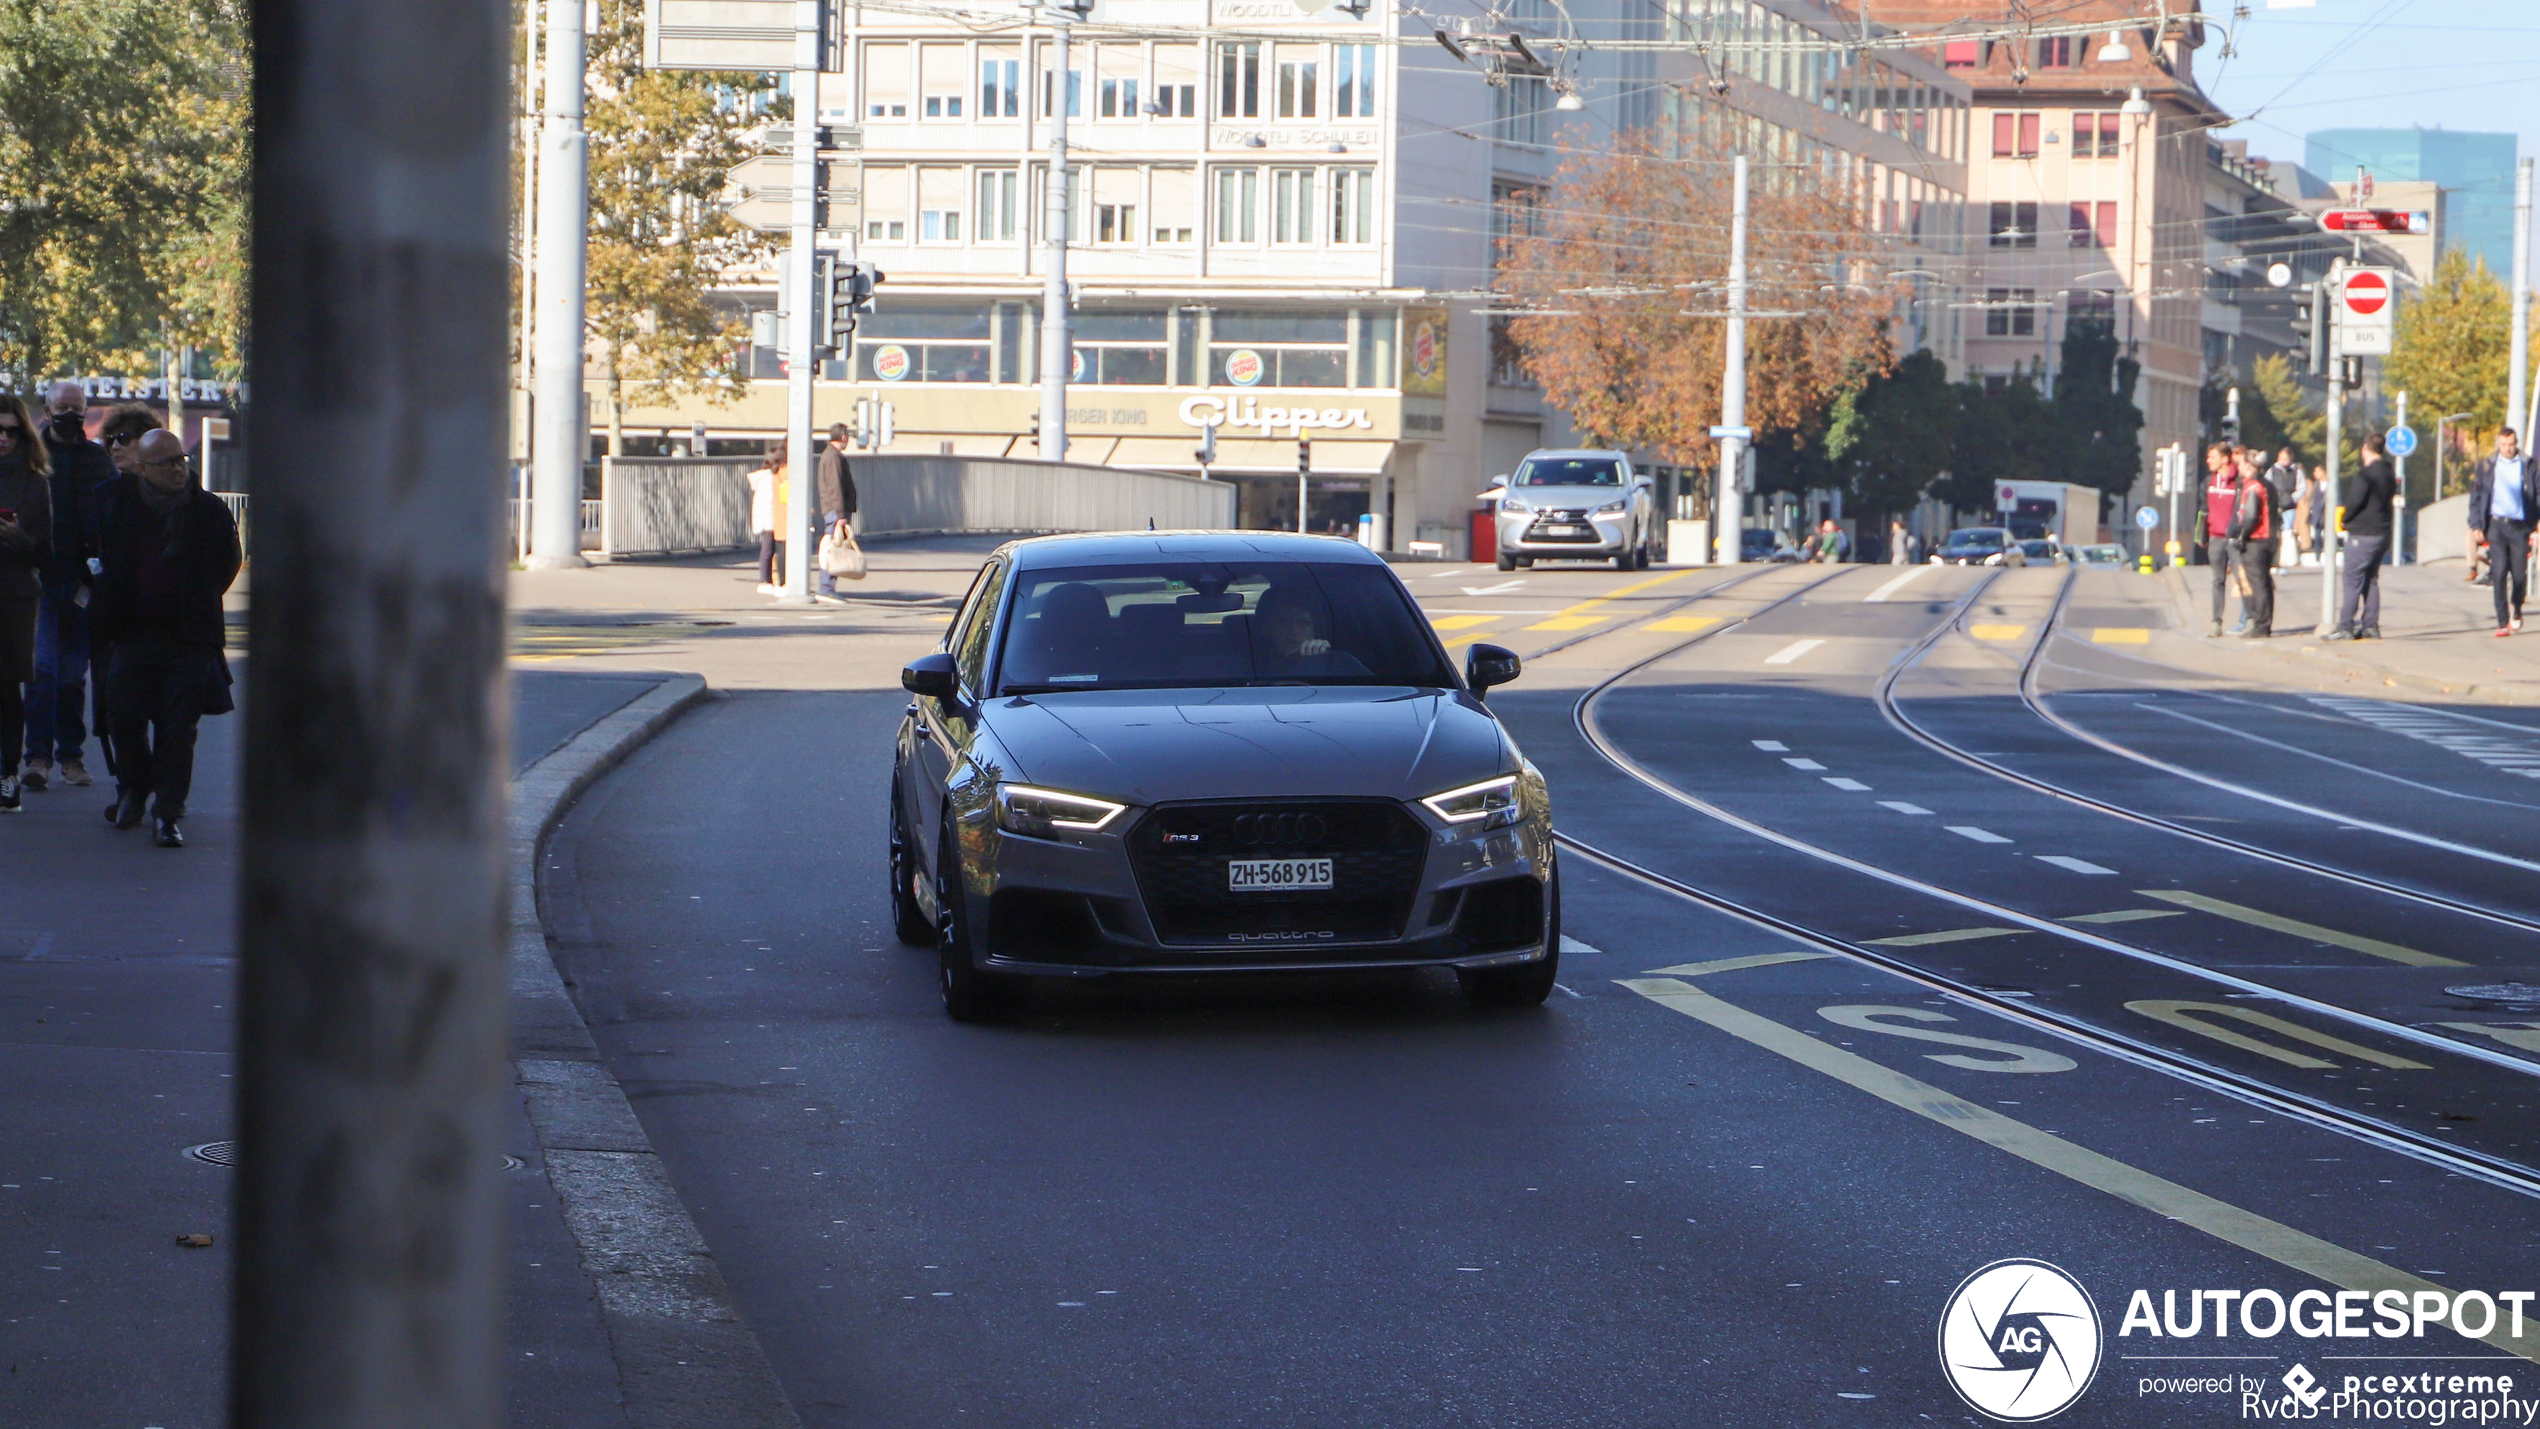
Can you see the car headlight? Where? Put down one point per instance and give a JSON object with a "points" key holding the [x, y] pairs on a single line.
{"points": [[1611, 508], [1046, 813], [1495, 803], [1515, 507]]}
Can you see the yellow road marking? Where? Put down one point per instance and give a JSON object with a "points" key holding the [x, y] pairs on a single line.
{"points": [[1681, 624], [1730, 965], [2120, 635], [1568, 622], [2123, 915], [2313, 931], [1996, 632], [2525, 1035], [2296, 1250], [1591, 603], [1954, 935], [1464, 622], [2192, 1015], [1465, 639]]}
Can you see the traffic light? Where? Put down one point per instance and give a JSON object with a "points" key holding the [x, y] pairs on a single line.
{"points": [[828, 336], [846, 289], [2312, 327]]}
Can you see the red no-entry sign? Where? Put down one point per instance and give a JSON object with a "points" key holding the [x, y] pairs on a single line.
{"points": [[2367, 293], [2365, 306]]}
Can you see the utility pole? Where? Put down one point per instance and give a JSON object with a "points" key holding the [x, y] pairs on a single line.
{"points": [[561, 434], [1057, 341], [1727, 505], [2399, 542], [2332, 534], [1304, 470], [801, 361], [374, 1013], [526, 395], [2520, 381]]}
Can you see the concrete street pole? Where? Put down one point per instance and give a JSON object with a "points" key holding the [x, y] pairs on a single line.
{"points": [[2332, 538], [374, 1013], [2520, 381], [801, 363], [1057, 342], [1727, 505], [561, 434], [527, 395], [2399, 543]]}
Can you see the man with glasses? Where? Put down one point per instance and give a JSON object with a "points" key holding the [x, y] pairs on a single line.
{"points": [[56, 698], [167, 551]]}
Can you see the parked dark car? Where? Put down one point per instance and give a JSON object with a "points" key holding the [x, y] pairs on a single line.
{"points": [[1212, 752], [1973, 546]]}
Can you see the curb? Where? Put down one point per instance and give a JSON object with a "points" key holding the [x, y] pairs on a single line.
{"points": [[685, 1357], [2321, 664]]}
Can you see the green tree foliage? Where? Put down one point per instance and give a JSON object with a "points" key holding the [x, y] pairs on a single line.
{"points": [[2297, 423], [2005, 433], [663, 144], [2453, 348], [1894, 434], [124, 133], [2095, 414]]}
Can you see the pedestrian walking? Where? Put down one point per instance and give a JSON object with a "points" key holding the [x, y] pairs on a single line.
{"points": [[2364, 514], [2504, 497], [120, 433], [167, 551], [26, 547], [2290, 487], [837, 497], [1830, 545], [1900, 542], [2317, 526], [57, 698], [767, 517], [2222, 500], [2253, 533]]}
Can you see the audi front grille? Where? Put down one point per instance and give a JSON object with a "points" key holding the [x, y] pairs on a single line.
{"points": [[1180, 853]]}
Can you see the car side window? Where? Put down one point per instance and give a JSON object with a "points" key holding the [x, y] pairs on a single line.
{"points": [[970, 647]]}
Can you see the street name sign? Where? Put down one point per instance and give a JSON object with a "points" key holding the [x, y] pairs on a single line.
{"points": [[2366, 302], [2377, 220]]}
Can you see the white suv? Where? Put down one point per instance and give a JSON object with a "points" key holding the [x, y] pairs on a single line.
{"points": [[1576, 505]]}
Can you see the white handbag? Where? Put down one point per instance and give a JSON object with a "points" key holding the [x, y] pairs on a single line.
{"points": [[839, 553]]}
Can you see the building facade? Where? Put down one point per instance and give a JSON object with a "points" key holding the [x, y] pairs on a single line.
{"points": [[2475, 173]]}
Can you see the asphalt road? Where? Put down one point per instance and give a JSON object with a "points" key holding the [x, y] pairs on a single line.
{"points": [[1725, 1175]]}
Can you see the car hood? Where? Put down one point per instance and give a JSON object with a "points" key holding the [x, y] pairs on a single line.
{"points": [[1158, 746], [1590, 497]]}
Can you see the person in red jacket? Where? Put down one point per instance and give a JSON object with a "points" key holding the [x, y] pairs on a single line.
{"points": [[2253, 531], [2222, 499]]}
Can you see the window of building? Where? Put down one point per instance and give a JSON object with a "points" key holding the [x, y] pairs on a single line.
{"points": [[1236, 198], [1116, 205], [1172, 205], [1287, 348], [1239, 81], [996, 206], [1958, 54], [2014, 225], [2015, 135], [2010, 312], [885, 204], [886, 81], [2094, 225], [939, 87], [1518, 108], [1177, 81], [1000, 76], [939, 205], [923, 342], [1119, 348], [1353, 81], [1299, 66], [1116, 81], [2055, 52], [1353, 206], [1291, 205], [2095, 134]]}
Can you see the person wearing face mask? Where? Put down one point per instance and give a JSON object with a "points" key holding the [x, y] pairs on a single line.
{"points": [[26, 546], [167, 551], [57, 696]]}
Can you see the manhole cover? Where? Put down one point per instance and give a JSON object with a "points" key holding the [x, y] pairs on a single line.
{"points": [[225, 1153], [2518, 994]]}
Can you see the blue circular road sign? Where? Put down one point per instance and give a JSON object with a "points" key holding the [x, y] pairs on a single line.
{"points": [[2147, 517], [2402, 440]]}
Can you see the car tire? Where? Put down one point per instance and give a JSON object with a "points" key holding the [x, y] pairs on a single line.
{"points": [[908, 916], [1507, 562], [1525, 563], [969, 994], [1527, 984], [1623, 560]]}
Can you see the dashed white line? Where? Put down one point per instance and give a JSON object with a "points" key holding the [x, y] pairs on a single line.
{"points": [[1849, 786], [2076, 865], [1792, 651], [1902, 807], [1772, 746], [1808, 764], [1894, 585], [1970, 831]]}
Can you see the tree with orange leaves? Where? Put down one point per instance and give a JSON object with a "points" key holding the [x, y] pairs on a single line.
{"points": [[1623, 270]]}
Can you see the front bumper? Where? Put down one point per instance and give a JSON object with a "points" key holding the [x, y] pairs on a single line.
{"points": [[1090, 906], [1538, 533]]}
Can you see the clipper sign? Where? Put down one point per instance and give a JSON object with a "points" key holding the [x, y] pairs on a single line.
{"points": [[1295, 421]]}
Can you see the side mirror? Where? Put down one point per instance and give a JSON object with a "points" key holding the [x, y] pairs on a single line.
{"points": [[1488, 665], [933, 676]]}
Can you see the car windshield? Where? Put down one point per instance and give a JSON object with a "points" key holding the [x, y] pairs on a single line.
{"points": [[1570, 471], [2037, 548], [1979, 538], [1190, 625]]}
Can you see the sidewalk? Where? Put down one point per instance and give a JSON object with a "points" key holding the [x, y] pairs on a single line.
{"points": [[2437, 630], [116, 981]]}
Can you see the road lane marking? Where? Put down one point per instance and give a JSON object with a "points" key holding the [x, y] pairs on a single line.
{"points": [[1771, 746], [1582, 615], [2191, 1016], [1902, 807], [1996, 632], [2123, 915], [1464, 622], [1849, 786], [1867, 1018], [1792, 651], [2296, 1250], [1807, 764], [2525, 1035], [1952, 935], [2120, 635], [1573, 945], [1500, 589], [2313, 931], [1568, 622], [2077, 865], [1730, 965], [1970, 831], [1681, 624], [1895, 584]]}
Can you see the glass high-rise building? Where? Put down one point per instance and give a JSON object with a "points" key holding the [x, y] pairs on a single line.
{"points": [[2475, 170]]}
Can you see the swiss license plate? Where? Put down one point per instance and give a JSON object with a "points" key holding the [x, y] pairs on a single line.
{"points": [[1274, 875], [1561, 530]]}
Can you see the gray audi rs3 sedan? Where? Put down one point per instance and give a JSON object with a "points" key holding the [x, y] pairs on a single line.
{"points": [[1191, 752]]}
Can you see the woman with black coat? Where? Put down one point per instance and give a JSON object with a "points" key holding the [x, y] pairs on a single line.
{"points": [[26, 543]]}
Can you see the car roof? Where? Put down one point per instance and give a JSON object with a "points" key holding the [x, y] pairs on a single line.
{"points": [[1102, 548], [1571, 451]]}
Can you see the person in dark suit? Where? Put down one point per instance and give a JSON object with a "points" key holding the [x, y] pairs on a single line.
{"points": [[26, 546], [2364, 511], [2504, 501]]}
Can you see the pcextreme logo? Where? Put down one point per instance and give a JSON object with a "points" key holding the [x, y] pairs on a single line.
{"points": [[2019, 1341]]}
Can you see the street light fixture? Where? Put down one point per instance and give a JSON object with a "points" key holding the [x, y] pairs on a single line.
{"points": [[2115, 52]]}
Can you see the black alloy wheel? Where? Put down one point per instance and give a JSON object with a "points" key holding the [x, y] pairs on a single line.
{"points": [[969, 994], [1527, 984], [908, 916]]}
